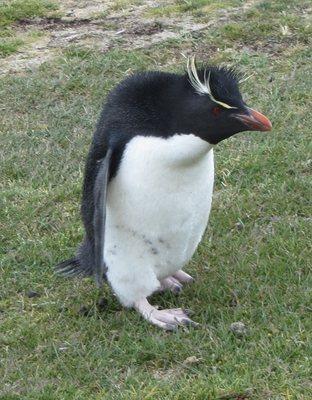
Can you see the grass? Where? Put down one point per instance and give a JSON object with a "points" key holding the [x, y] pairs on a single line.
{"points": [[14, 11], [252, 265], [199, 7], [121, 4], [11, 11], [9, 46], [11, 42]]}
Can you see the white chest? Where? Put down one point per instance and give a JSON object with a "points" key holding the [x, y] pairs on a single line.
{"points": [[158, 204]]}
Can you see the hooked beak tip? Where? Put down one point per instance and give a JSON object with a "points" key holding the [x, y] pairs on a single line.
{"points": [[255, 121]]}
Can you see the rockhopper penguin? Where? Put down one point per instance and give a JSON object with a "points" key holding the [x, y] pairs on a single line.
{"points": [[149, 181]]}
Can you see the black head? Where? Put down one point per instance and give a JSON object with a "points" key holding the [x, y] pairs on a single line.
{"points": [[212, 107]]}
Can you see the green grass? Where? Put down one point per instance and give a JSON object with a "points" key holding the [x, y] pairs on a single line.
{"points": [[252, 266], [9, 46], [16, 10], [198, 7], [11, 11], [121, 4]]}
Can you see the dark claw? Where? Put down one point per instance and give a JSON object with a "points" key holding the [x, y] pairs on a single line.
{"points": [[177, 289], [189, 322], [186, 321]]}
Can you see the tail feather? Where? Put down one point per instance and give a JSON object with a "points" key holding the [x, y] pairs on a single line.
{"points": [[80, 265], [71, 268]]}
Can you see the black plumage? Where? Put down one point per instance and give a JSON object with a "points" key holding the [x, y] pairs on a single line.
{"points": [[152, 104]]}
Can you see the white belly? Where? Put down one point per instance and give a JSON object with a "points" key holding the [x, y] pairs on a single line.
{"points": [[157, 210]]}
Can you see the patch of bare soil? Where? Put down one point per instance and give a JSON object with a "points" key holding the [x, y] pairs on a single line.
{"points": [[81, 9], [95, 24], [36, 54]]}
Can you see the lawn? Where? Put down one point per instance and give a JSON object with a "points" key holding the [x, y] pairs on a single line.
{"points": [[254, 263]]}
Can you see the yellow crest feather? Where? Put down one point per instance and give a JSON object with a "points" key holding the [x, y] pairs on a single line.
{"points": [[202, 87]]}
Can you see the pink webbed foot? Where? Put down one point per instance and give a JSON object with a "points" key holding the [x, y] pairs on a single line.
{"points": [[171, 284], [165, 319], [183, 277], [174, 282]]}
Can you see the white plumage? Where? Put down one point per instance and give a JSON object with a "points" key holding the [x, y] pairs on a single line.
{"points": [[155, 185], [157, 210]]}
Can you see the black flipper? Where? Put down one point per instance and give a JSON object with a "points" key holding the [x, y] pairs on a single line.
{"points": [[89, 258], [99, 218]]}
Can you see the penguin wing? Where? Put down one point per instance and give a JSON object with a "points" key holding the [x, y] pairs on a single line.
{"points": [[90, 255], [99, 217]]}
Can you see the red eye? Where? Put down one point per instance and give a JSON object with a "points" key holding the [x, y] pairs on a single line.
{"points": [[216, 111]]}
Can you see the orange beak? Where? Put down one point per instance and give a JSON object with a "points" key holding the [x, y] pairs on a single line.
{"points": [[255, 121]]}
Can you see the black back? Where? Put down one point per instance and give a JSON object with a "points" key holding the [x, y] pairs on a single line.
{"points": [[150, 104]]}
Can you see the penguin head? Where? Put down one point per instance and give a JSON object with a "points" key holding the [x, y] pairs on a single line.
{"points": [[213, 107]]}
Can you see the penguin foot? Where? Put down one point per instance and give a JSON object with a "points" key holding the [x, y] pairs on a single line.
{"points": [[166, 319], [183, 277], [172, 284]]}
